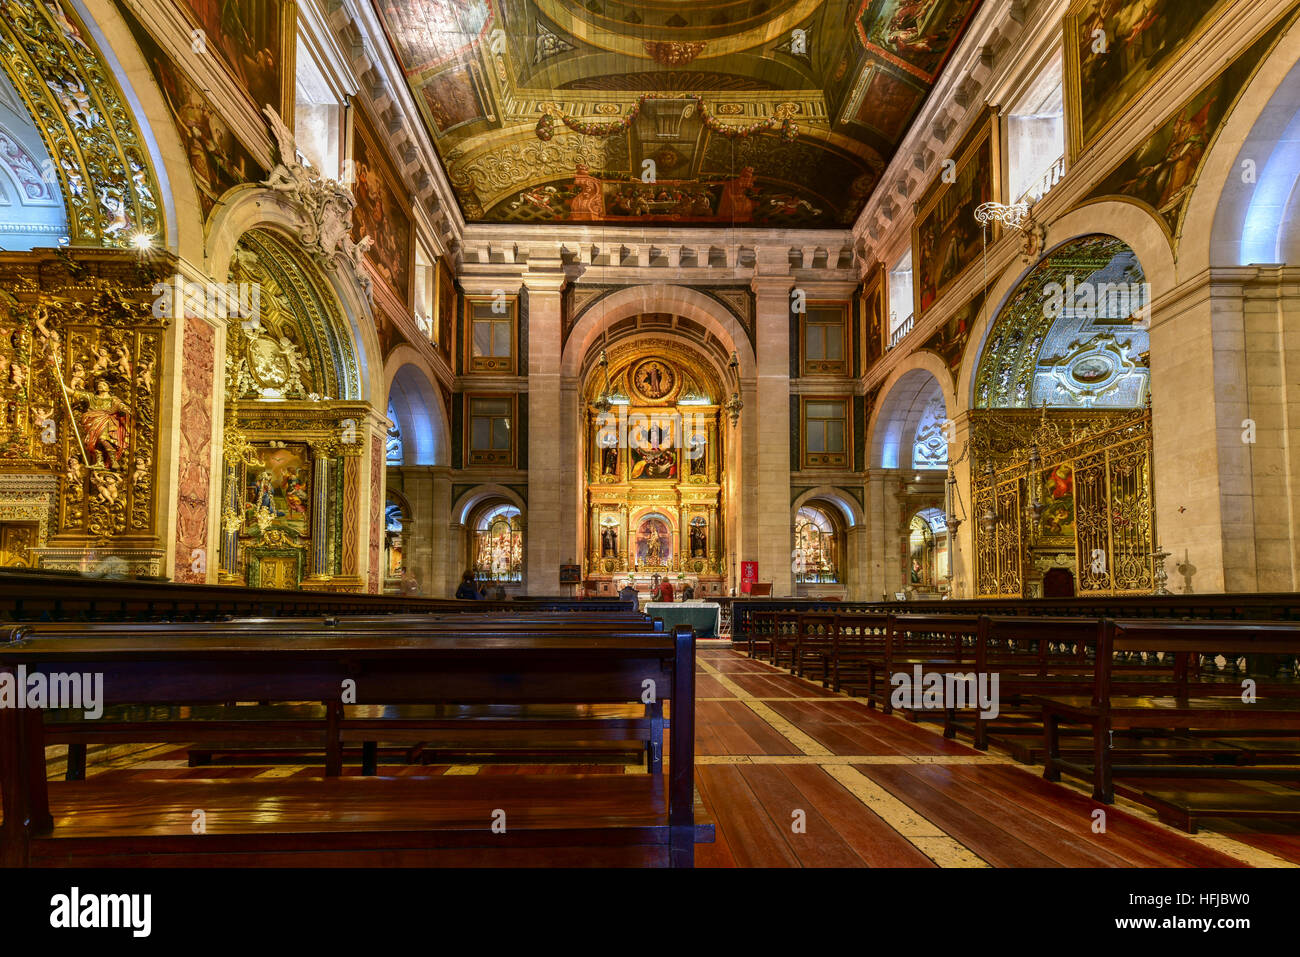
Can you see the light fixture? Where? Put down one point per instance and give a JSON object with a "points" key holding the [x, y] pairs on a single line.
{"points": [[734, 404], [603, 403]]}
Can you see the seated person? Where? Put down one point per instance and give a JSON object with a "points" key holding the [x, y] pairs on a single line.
{"points": [[628, 592], [688, 592], [663, 591], [469, 588]]}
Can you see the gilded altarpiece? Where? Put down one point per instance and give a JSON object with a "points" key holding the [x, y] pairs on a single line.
{"points": [[1084, 503], [296, 437], [654, 464], [82, 356]]}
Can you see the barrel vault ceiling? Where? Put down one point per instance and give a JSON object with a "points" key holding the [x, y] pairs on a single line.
{"points": [[691, 112]]}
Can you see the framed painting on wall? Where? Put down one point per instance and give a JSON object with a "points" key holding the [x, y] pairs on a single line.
{"points": [[874, 328], [1115, 50], [256, 41], [946, 240], [278, 490], [383, 210]]}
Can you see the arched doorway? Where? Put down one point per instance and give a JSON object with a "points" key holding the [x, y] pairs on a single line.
{"points": [[1060, 433], [654, 465], [497, 546]]}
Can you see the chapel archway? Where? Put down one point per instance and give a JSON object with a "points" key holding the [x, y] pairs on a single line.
{"points": [[654, 461], [303, 475], [1060, 433]]}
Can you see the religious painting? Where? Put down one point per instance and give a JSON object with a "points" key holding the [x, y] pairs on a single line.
{"points": [[428, 33], [949, 340], [888, 102], [655, 458], [453, 98], [570, 574], [382, 212], [916, 35], [653, 380], [256, 40], [1115, 49], [1057, 495], [218, 160], [1163, 170], [446, 311], [873, 318], [278, 489], [946, 238], [654, 542]]}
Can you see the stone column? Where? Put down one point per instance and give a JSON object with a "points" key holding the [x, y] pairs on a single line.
{"points": [[442, 565], [552, 466], [321, 565], [768, 420]]}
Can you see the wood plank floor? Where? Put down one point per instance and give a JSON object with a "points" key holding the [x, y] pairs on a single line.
{"points": [[795, 776]]}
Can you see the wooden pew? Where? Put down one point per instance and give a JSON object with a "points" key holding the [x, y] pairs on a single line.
{"points": [[857, 640], [607, 819], [295, 728], [1189, 704]]}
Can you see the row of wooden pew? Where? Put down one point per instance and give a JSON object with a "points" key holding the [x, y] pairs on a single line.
{"points": [[1096, 698], [536, 682]]}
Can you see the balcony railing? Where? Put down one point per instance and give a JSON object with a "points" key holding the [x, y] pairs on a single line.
{"points": [[901, 332], [1044, 184]]}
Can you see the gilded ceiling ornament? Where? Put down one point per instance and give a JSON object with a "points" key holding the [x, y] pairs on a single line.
{"points": [[324, 207], [674, 52]]}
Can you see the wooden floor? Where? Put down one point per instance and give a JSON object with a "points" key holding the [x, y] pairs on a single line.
{"points": [[795, 776]]}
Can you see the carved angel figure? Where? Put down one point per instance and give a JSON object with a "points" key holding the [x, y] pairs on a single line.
{"points": [[105, 425]]}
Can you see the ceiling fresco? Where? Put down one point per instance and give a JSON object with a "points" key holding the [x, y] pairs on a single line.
{"points": [[708, 112]]}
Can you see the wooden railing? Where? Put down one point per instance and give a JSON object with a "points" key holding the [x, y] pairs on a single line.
{"points": [[1283, 606], [55, 597]]}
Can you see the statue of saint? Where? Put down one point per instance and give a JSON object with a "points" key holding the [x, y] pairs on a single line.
{"points": [[105, 425]]}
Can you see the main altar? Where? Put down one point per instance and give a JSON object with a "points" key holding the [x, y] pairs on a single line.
{"points": [[653, 460]]}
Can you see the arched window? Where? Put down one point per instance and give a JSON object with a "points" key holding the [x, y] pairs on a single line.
{"points": [[816, 554], [499, 545]]}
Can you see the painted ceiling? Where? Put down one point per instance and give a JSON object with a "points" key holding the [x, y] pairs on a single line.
{"points": [[709, 112]]}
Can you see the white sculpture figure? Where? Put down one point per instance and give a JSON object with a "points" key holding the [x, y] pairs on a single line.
{"points": [[325, 205], [293, 387]]}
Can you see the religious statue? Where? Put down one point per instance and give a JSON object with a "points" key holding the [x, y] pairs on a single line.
{"points": [[608, 542], [654, 550], [105, 425], [699, 546]]}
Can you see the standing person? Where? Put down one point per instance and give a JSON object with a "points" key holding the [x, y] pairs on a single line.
{"points": [[469, 588]]}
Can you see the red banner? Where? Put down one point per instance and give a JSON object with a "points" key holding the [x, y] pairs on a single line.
{"points": [[748, 575]]}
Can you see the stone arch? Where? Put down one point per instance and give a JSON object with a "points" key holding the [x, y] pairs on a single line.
{"points": [[907, 390], [1124, 221], [850, 510], [171, 163], [249, 207], [1229, 221], [656, 298], [480, 495], [1071, 333], [421, 416], [105, 166]]}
